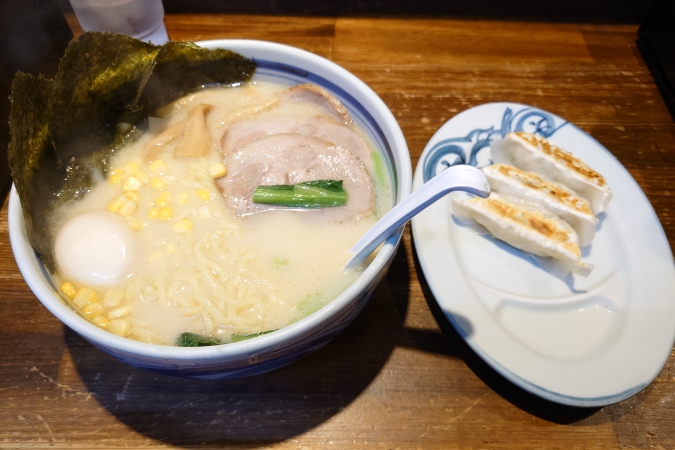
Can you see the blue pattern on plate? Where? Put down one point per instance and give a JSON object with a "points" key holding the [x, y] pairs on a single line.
{"points": [[469, 149]]}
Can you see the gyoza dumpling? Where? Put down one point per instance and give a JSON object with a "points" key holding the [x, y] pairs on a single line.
{"points": [[526, 226], [535, 154], [555, 197]]}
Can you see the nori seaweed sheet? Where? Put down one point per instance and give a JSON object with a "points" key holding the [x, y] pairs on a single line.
{"points": [[99, 81], [106, 86], [30, 152]]}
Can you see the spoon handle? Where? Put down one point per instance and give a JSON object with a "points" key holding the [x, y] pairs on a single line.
{"points": [[456, 178]]}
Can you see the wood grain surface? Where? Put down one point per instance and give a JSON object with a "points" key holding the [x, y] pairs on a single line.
{"points": [[399, 376]]}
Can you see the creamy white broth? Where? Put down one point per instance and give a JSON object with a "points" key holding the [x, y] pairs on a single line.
{"points": [[227, 275]]}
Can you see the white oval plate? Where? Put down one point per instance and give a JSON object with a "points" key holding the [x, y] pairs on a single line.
{"points": [[578, 341]]}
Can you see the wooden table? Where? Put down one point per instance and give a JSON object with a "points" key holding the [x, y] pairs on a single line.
{"points": [[399, 376]]}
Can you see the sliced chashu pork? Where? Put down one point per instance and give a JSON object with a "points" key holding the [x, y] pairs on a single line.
{"points": [[242, 133], [290, 158], [312, 93]]}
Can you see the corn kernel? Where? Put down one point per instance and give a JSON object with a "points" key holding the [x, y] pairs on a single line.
{"points": [[116, 203], [165, 213], [166, 195], [158, 167], [133, 195], [203, 194], [134, 223], [113, 297], [157, 183], [154, 213], [120, 312], [116, 176], [132, 184], [83, 297], [182, 226], [142, 177], [182, 198], [92, 309], [128, 208], [160, 201], [131, 168], [100, 321], [120, 327], [218, 170], [68, 290], [116, 179]]}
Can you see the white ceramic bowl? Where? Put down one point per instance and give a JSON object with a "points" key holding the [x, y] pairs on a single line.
{"points": [[286, 65]]}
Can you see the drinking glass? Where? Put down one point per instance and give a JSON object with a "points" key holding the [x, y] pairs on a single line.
{"points": [[140, 19]]}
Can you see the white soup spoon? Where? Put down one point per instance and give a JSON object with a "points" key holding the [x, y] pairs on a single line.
{"points": [[457, 178]]}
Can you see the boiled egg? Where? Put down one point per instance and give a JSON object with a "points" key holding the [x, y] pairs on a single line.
{"points": [[96, 248]]}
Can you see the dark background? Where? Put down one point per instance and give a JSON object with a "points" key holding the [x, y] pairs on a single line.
{"points": [[574, 11], [33, 36]]}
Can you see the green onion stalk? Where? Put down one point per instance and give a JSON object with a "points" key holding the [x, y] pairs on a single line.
{"points": [[310, 194]]}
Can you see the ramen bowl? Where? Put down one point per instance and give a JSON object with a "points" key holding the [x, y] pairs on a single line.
{"points": [[288, 66]]}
